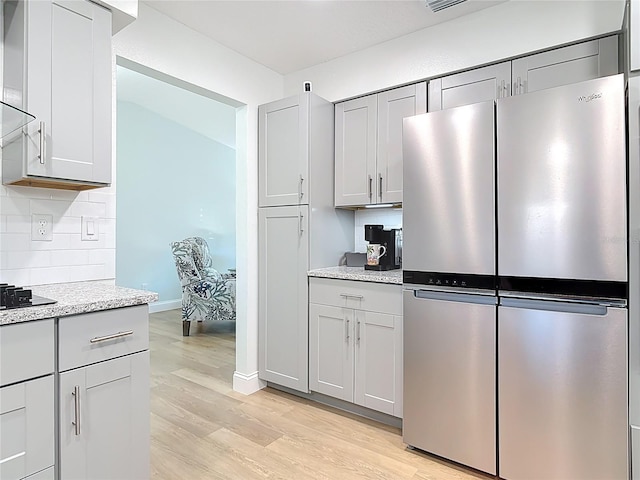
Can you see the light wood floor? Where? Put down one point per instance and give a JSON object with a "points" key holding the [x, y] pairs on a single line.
{"points": [[202, 429]]}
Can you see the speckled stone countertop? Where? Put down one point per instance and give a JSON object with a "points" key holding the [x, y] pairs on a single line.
{"points": [[74, 298], [359, 274]]}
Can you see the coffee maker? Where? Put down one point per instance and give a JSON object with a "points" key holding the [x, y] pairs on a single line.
{"points": [[392, 240]]}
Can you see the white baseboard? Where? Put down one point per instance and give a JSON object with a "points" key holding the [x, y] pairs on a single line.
{"points": [[164, 306], [247, 384]]}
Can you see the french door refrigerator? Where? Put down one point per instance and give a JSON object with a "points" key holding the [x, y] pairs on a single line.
{"points": [[520, 369]]}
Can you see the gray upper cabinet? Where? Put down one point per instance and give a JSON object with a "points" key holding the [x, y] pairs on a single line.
{"points": [[566, 65], [393, 107], [368, 152], [474, 86], [57, 66], [562, 66], [356, 123], [284, 152]]}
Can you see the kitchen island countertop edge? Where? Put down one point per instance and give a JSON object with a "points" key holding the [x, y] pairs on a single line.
{"points": [[75, 298]]}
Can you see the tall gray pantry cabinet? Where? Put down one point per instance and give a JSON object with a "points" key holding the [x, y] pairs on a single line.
{"points": [[298, 229]]}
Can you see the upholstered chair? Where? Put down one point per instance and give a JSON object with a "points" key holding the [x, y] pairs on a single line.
{"points": [[206, 294]]}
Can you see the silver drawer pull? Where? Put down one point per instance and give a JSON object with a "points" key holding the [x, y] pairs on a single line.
{"points": [[111, 337], [76, 409], [348, 295]]}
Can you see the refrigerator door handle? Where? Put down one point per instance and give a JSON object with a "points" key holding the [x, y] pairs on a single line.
{"points": [[555, 306], [455, 297]]}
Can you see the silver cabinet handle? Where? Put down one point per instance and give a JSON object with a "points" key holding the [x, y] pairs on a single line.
{"points": [[76, 400], [370, 188], [348, 295], [111, 337], [520, 86], [301, 193], [380, 185], [43, 145], [358, 332], [346, 330], [300, 218]]}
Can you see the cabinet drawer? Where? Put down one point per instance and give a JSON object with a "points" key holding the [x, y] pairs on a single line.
{"points": [[26, 351], [373, 297], [26, 428], [98, 336]]}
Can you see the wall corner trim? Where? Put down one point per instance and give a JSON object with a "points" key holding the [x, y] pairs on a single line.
{"points": [[247, 384]]}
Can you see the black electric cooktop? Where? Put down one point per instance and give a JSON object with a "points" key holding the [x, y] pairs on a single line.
{"points": [[19, 297]]}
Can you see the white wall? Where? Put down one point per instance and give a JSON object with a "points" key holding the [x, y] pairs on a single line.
{"points": [[507, 30], [164, 45]]}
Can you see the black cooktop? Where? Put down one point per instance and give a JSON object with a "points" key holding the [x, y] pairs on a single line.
{"points": [[19, 297]]}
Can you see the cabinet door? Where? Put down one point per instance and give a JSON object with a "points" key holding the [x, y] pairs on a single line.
{"points": [[26, 428], [563, 66], [474, 86], [283, 152], [378, 382], [331, 351], [356, 124], [283, 326], [393, 106], [104, 420], [69, 90]]}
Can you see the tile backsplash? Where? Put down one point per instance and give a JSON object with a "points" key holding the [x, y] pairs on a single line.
{"points": [[65, 258], [389, 217]]}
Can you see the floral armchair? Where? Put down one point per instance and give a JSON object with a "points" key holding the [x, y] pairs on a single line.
{"points": [[206, 294]]}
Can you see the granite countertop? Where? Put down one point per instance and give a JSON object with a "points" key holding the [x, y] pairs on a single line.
{"points": [[74, 298], [359, 274]]}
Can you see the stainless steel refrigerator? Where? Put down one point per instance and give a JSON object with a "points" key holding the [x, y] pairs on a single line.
{"points": [[515, 284]]}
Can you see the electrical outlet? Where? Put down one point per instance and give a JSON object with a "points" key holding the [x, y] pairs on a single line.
{"points": [[41, 227]]}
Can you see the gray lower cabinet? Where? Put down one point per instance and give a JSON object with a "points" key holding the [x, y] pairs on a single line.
{"points": [[355, 343], [27, 428], [368, 145], [57, 66], [104, 424], [103, 390], [561, 66], [27, 441], [282, 296]]}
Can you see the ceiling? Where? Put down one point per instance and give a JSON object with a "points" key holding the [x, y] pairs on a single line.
{"points": [[290, 35]]}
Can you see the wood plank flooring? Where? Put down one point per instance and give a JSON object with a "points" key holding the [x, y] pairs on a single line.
{"points": [[202, 429]]}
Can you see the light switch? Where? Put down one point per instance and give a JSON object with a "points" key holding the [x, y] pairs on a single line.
{"points": [[90, 228]]}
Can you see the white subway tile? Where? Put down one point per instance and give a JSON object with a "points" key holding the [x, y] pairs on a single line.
{"points": [[43, 276], [18, 224], [71, 225], [15, 242], [66, 258], [28, 259], [78, 244], [3, 223], [17, 277], [57, 208], [90, 209], [83, 273], [15, 206], [60, 241]]}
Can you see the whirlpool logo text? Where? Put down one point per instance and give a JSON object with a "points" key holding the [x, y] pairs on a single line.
{"points": [[588, 98]]}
